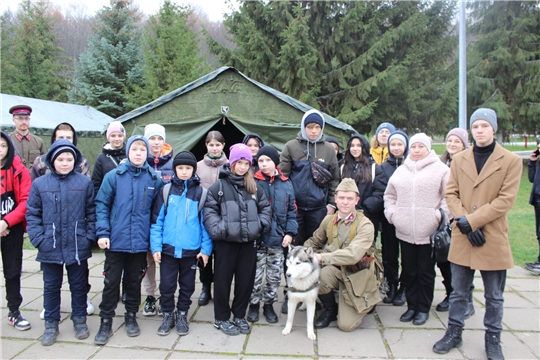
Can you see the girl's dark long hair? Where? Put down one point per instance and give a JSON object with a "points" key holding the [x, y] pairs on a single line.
{"points": [[360, 171], [214, 134]]}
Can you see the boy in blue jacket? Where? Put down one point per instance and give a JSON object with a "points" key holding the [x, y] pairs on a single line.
{"points": [[61, 225], [179, 240], [123, 211], [272, 246]]}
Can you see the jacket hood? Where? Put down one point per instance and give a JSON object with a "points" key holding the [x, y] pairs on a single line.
{"points": [[365, 144], [11, 151], [53, 136], [253, 136], [62, 143], [406, 153], [166, 155], [303, 125]]}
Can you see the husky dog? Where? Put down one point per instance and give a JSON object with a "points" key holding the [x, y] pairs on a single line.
{"points": [[303, 270]]}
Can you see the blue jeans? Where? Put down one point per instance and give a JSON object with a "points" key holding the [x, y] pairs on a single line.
{"points": [[52, 283], [494, 282]]}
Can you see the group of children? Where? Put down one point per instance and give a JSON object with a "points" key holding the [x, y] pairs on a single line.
{"points": [[128, 211]]}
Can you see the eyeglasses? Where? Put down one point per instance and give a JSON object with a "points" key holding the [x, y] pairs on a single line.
{"points": [[22, 118]]}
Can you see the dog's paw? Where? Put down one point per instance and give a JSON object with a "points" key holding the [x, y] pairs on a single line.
{"points": [[311, 335], [286, 331], [302, 307]]}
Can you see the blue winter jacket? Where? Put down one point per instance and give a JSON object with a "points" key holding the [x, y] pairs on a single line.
{"points": [[124, 206], [61, 213], [280, 193], [178, 228]]}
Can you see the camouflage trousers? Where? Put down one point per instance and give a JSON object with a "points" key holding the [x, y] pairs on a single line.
{"points": [[271, 260]]}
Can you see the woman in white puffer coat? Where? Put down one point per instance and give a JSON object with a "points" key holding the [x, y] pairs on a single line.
{"points": [[411, 201]]}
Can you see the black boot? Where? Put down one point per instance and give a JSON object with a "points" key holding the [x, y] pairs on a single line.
{"points": [[132, 328], [104, 332], [330, 311], [390, 294], [400, 298], [493, 347], [167, 323], [81, 329], [51, 333], [451, 339], [205, 297], [269, 314], [253, 313], [444, 305]]}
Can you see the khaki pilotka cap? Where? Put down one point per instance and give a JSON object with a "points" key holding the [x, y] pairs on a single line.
{"points": [[347, 184]]}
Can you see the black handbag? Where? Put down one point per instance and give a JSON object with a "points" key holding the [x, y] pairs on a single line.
{"points": [[440, 240]]}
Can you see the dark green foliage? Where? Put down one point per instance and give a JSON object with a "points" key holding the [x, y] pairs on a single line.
{"points": [[363, 62], [504, 64], [171, 57], [111, 66], [31, 62]]}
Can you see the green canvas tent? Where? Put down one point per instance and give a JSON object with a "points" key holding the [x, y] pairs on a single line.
{"points": [[228, 101]]}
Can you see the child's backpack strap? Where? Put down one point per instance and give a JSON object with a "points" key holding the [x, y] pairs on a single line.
{"points": [[165, 191], [203, 198]]}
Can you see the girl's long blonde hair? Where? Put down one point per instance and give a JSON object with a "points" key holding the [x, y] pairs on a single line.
{"points": [[249, 182]]}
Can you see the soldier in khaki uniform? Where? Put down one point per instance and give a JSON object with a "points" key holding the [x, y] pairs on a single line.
{"points": [[344, 245], [29, 146]]}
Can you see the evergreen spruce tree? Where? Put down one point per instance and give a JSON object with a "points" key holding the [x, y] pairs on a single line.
{"points": [[111, 66], [171, 59], [363, 62], [504, 71], [31, 62]]}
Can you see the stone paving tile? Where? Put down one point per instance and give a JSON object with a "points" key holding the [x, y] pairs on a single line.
{"points": [[518, 272], [532, 340], [512, 347], [522, 319], [533, 297], [109, 352], [206, 338], [296, 343], [196, 355], [362, 342], [67, 334], [147, 339], [474, 322], [413, 344], [30, 266], [58, 351], [390, 315], [34, 333], [513, 300], [529, 284], [10, 348]]}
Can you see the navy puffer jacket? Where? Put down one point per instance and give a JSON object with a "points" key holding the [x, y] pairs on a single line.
{"points": [[235, 216], [61, 213]]}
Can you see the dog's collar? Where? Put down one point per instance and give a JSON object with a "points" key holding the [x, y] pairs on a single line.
{"points": [[295, 290]]}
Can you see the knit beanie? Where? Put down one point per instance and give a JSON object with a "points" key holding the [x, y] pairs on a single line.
{"points": [[397, 136], [270, 152], [385, 125], [333, 140], [313, 116], [154, 130], [488, 115], [461, 134], [421, 138], [115, 126], [239, 152], [347, 184], [185, 158], [135, 138], [253, 136], [63, 149]]}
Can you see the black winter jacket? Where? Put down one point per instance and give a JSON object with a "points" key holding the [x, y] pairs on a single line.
{"points": [[236, 215], [280, 193], [108, 160], [534, 177]]}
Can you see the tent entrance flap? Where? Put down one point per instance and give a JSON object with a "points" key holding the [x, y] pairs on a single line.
{"points": [[229, 131]]}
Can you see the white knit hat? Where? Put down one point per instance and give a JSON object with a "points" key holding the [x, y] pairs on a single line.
{"points": [[153, 130], [421, 138]]}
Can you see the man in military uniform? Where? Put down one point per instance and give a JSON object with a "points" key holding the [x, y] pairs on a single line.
{"points": [[29, 146]]}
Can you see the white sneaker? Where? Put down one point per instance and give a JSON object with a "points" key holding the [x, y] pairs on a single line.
{"points": [[42, 314], [89, 307]]}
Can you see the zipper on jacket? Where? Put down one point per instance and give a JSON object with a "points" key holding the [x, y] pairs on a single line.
{"points": [[55, 203]]}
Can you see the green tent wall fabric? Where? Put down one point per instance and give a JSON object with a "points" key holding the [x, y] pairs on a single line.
{"points": [[228, 101]]}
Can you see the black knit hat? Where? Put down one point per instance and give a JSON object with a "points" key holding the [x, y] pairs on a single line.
{"points": [[185, 158], [270, 152]]}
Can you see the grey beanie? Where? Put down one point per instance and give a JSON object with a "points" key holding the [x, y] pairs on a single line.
{"points": [[486, 114]]}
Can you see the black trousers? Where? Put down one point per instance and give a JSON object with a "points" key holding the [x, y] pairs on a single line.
{"points": [[206, 275], [308, 222], [447, 275], [173, 271], [238, 260], [418, 275], [133, 275], [537, 218], [12, 253], [390, 252]]}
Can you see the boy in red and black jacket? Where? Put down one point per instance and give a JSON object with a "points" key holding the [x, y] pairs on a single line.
{"points": [[15, 187]]}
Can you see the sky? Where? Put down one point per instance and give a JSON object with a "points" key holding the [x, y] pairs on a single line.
{"points": [[213, 8]]}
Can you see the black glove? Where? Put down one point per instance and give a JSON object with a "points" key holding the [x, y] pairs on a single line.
{"points": [[463, 225], [476, 238]]}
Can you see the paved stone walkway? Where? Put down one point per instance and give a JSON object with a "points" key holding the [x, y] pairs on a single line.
{"points": [[381, 336]]}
